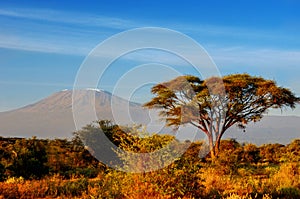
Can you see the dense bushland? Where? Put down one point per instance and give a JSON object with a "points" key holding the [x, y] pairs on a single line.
{"points": [[34, 168]]}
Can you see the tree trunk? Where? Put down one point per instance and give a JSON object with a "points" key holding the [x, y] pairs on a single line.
{"points": [[217, 146], [212, 153], [218, 143], [211, 147]]}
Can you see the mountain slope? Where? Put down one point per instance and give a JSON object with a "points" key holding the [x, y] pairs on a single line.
{"points": [[52, 117], [271, 129]]}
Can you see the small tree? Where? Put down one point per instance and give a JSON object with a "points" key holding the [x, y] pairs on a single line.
{"points": [[29, 159], [216, 104]]}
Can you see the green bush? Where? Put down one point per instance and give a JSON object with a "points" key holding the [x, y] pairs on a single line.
{"points": [[289, 192], [2, 172]]}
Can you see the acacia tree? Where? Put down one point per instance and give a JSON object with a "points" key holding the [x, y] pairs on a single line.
{"points": [[217, 103]]}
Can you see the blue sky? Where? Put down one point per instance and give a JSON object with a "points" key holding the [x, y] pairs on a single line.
{"points": [[43, 43]]}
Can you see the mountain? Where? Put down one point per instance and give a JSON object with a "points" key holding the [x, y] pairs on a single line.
{"points": [[271, 129], [52, 117]]}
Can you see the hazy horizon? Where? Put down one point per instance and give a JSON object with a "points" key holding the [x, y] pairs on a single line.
{"points": [[43, 44]]}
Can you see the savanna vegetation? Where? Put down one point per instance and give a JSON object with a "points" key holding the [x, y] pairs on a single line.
{"points": [[35, 168]]}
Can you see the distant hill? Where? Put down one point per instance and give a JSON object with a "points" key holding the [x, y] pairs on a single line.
{"points": [[271, 129], [52, 118]]}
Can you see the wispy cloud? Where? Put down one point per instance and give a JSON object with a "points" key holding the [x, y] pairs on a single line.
{"points": [[78, 33], [69, 17], [55, 31], [33, 44], [232, 31], [266, 59], [38, 84]]}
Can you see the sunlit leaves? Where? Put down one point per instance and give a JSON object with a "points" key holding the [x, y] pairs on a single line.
{"points": [[216, 104]]}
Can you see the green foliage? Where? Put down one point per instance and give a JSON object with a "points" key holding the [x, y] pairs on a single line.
{"points": [[149, 152], [2, 172], [70, 158], [289, 192], [293, 151], [229, 157], [272, 153], [29, 159], [251, 154], [73, 188], [34, 159]]}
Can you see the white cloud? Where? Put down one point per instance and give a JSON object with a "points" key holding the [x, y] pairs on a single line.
{"points": [[69, 17], [258, 56], [70, 32], [58, 38], [31, 83], [31, 44]]}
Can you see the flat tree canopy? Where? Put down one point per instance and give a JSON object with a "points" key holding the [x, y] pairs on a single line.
{"points": [[215, 104]]}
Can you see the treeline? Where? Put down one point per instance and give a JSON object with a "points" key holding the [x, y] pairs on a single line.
{"points": [[35, 158], [32, 168]]}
